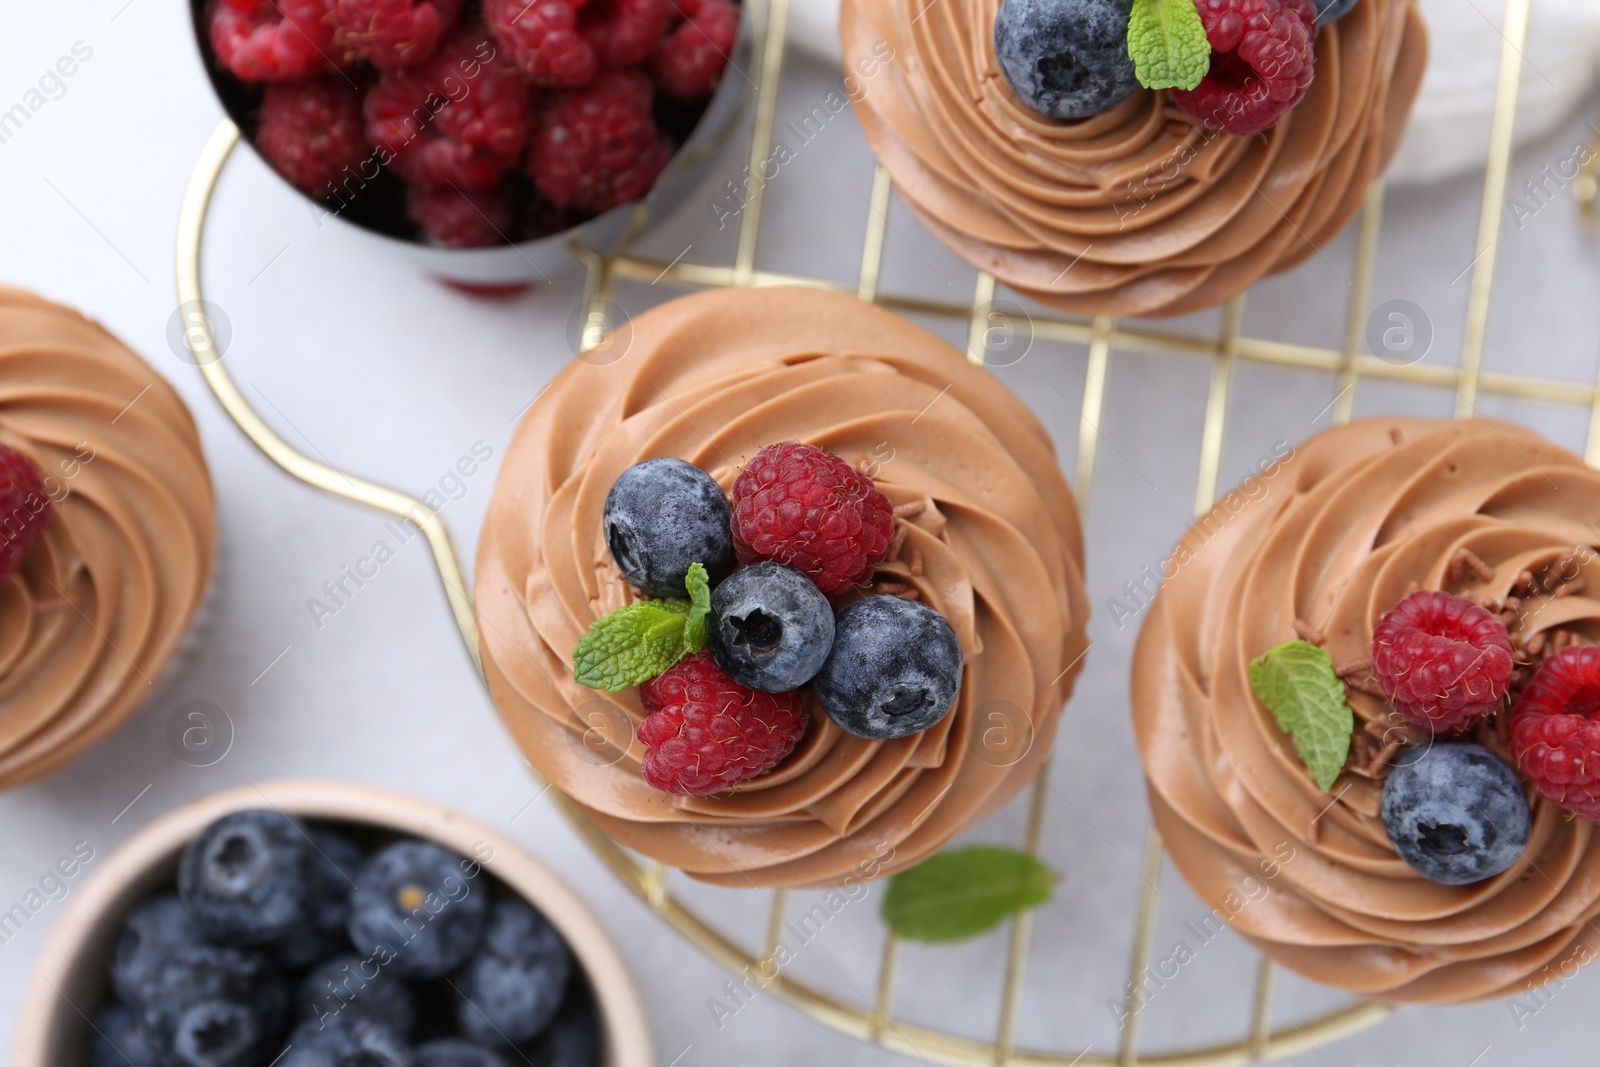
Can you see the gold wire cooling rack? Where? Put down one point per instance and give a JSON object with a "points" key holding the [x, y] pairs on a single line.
{"points": [[876, 1021]]}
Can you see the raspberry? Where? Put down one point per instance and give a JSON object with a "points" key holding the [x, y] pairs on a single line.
{"points": [[799, 505], [1262, 62], [391, 34], [706, 731], [597, 147], [543, 38], [460, 219], [461, 117], [272, 40], [24, 508], [565, 43], [310, 132], [690, 61], [624, 32], [1444, 662], [1554, 735]]}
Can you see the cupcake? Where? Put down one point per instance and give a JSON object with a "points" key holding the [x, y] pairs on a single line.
{"points": [[108, 534], [1022, 135], [1363, 700], [887, 618]]}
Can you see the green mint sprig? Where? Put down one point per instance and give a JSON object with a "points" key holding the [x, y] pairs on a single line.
{"points": [[955, 895], [635, 643], [1298, 684], [1167, 43], [694, 624]]}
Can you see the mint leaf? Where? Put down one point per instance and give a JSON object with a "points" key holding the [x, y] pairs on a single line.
{"points": [[1297, 683], [631, 645], [694, 630], [1167, 43], [956, 895], [637, 642]]}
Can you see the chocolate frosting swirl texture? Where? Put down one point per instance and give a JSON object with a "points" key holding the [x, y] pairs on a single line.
{"points": [[1138, 210], [713, 378], [98, 607], [1354, 517]]}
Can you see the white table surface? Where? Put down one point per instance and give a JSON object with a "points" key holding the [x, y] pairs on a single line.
{"points": [[358, 358]]}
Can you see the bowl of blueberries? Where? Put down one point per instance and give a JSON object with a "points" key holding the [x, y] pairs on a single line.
{"points": [[326, 924]]}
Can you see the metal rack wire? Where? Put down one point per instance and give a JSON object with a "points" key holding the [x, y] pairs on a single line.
{"points": [[876, 1021]]}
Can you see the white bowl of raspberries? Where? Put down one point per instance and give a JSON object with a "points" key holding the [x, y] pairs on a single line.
{"points": [[326, 924], [503, 127]]}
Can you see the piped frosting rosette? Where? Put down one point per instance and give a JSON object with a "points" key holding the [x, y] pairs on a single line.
{"points": [[1356, 518], [712, 379], [1139, 210], [99, 606]]}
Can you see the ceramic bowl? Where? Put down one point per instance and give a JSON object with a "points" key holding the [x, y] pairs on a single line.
{"points": [[69, 980]]}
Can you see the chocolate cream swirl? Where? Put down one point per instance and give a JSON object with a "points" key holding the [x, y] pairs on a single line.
{"points": [[1353, 518], [1139, 210], [713, 378], [98, 606]]}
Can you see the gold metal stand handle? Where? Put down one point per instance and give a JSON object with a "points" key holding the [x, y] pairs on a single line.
{"points": [[191, 231], [1586, 190]]}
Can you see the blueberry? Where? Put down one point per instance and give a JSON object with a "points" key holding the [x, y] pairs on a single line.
{"points": [[1332, 10], [150, 935], [415, 910], [222, 1033], [345, 1041], [770, 627], [453, 1052], [662, 515], [118, 1041], [1066, 59], [573, 1037], [215, 1006], [334, 868], [1455, 812], [435, 1003], [895, 668], [513, 987], [358, 987], [244, 879]]}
